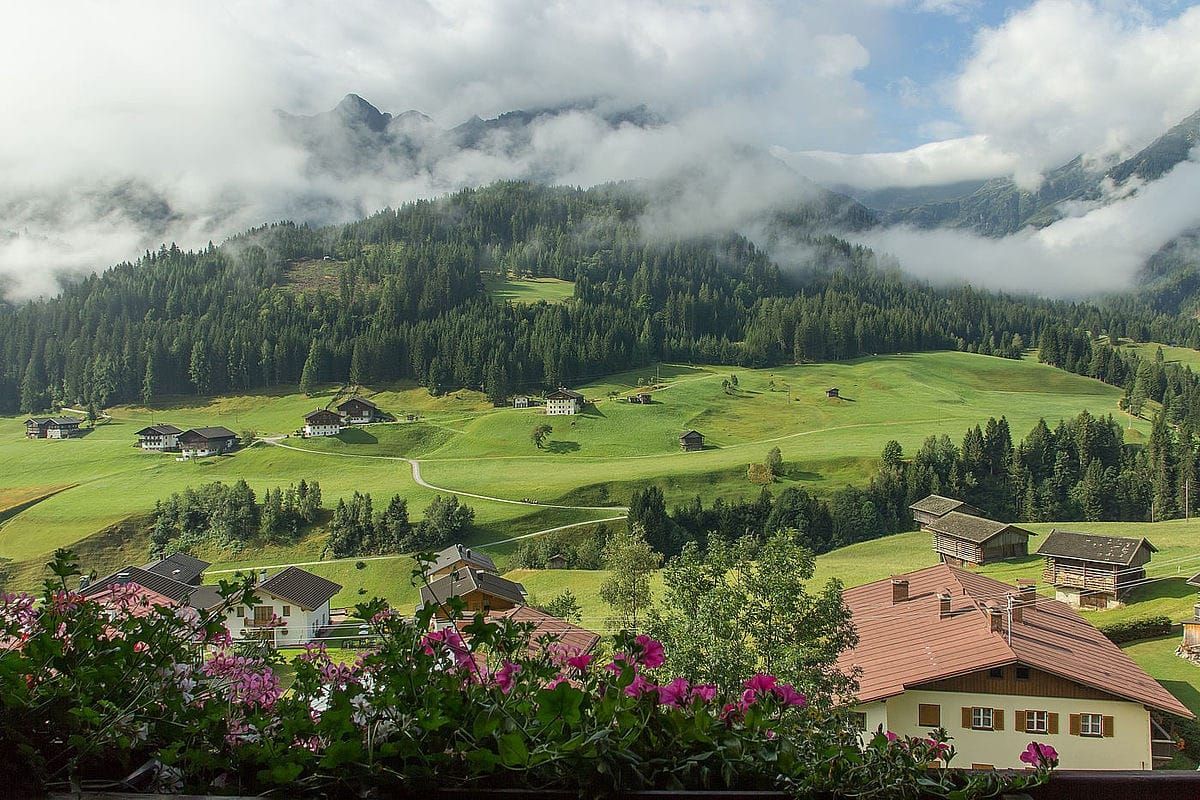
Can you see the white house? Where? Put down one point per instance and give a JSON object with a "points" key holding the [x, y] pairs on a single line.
{"points": [[159, 438], [322, 422], [562, 402], [292, 606]]}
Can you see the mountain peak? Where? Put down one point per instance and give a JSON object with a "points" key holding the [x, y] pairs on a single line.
{"points": [[355, 110]]}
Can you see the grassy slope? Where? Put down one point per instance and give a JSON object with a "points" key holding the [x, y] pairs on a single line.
{"points": [[530, 290]]}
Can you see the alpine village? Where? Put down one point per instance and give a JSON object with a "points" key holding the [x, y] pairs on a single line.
{"points": [[738, 401]]}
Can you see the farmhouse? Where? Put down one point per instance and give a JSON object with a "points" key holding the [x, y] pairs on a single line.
{"points": [[521, 401], [200, 442], [179, 567], [691, 441], [51, 427], [359, 410], [960, 539], [455, 557], [481, 591], [934, 507], [938, 648], [292, 608], [563, 639], [1093, 571], [159, 438], [322, 422], [563, 401], [832, 391]]}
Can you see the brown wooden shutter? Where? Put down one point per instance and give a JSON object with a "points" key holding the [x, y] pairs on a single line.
{"points": [[1019, 722], [1074, 724], [929, 715], [1108, 727], [966, 717], [997, 719], [1052, 722]]}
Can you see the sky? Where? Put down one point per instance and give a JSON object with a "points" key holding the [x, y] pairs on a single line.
{"points": [[169, 109]]}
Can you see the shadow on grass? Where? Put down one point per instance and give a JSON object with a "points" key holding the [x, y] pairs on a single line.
{"points": [[356, 436], [590, 410], [1187, 694], [1164, 589], [560, 448]]}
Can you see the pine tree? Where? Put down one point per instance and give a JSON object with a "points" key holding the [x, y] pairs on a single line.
{"points": [[198, 368], [149, 382], [308, 375]]}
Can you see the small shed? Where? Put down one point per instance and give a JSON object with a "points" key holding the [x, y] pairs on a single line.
{"points": [[960, 539], [832, 391], [691, 441], [556, 561], [1093, 571], [1191, 627], [932, 508]]}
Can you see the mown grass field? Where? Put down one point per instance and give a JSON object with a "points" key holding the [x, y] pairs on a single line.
{"points": [[463, 443], [529, 290]]}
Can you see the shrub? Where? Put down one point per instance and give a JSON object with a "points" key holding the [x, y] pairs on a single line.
{"points": [[1134, 629]]}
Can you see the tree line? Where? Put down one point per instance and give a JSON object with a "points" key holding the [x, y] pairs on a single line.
{"points": [[357, 530], [228, 516]]}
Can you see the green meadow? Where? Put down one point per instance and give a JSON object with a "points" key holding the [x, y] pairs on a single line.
{"points": [[529, 290]]}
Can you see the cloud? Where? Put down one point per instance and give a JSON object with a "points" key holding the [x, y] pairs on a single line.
{"points": [[1098, 249]]}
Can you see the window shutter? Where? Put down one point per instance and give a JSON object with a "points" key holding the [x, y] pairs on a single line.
{"points": [[966, 717], [1108, 727], [1019, 723], [1052, 722], [929, 715], [1074, 724], [997, 719]]}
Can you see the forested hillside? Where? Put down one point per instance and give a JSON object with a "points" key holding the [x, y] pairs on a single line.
{"points": [[410, 303]]}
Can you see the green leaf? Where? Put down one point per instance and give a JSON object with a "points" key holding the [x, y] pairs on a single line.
{"points": [[513, 752], [284, 773], [561, 702]]}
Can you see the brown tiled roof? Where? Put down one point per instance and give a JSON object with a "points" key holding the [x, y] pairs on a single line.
{"points": [[179, 566], [466, 580], [550, 630], [941, 506], [300, 586], [972, 528], [455, 553], [910, 643], [1091, 547]]}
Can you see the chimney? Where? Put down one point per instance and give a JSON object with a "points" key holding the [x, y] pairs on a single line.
{"points": [[996, 618], [262, 576], [899, 590], [944, 604], [1018, 603], [84, 581], [1026, 589]]}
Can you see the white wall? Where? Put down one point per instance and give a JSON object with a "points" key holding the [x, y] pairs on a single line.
{"points": [[322, 430], [301, 625]]}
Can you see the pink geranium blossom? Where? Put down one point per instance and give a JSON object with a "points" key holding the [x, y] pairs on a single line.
{"points": [[704, 691], [674, 693], [788, 695], [1040, 755], [639, 686], [580, 662], [505, 677], [761, 682], [651, 653]]}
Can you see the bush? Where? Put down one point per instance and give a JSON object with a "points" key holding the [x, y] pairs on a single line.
{"points": [[1135, 629]]}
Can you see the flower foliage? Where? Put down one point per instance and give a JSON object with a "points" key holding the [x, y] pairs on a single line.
{"points": [[91, 691]]}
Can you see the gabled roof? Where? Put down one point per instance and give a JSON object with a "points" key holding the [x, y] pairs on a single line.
{"points": [[691, 435], [179, 566], [971, 528], [299, 586], [549, 631], [162, 584], [455, 553], [910, 643], [357, 399], [941, 506], [562, 393], [466, 580], [210, 433], [159, 430], [321, 412], [1118, 550], [1194, 580], [41, 422]]}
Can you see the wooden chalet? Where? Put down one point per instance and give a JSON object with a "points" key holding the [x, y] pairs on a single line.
{"points": [[691, 441], [51, 427], [159, 438], [480, 592], [456, 557], [1093, 571], [961, 539], [359, 410], [935, 506], [322, 422], [832, 391], [556, 561], [200, 442], [563, 401]]}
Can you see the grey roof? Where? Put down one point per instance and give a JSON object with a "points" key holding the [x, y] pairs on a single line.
{"points": [[455, 553], [321, 412], [691, 435], [205, 597], [168, 587], [1092, 547], [941, 506], [179, 566], [972, 528], [466, 580], [211, 433], [300, 586], [161, 430], [564, 394], [43, 421], [357, 399]]}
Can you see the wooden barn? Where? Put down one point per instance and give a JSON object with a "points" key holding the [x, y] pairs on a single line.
{"points": [[1191, 627], [960, 539], [51, 427], [456, 557], [691, 441], [1093, 571], [935, 506]]}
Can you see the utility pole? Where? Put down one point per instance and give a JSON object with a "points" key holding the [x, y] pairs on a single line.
{"points": [[1010, 607]]}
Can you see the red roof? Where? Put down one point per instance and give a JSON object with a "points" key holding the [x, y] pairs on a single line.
{"points": [[550, 631], [909, 643]]}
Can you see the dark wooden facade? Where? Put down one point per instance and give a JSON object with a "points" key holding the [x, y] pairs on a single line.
{"points": [[1038, 684]]}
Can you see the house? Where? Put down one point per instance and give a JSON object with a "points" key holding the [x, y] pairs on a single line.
{"points": [[456, 557], [179, 567], [322, 422], [51, 427], [359, 410], [556, 561], [641, 398], [159, 438], [691, 441], [549, 633], [960, 539], [934, 507], [291, 609], [521, 401], [563, 401], [832, 391], [480, 591], [1093, 571], [996, 667], [200, 442]]}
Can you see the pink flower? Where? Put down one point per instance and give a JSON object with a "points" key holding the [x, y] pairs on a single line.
{"points": [[788, 695], [674, 693], [939, 749], [651, 651], [639, 685], [1040, 755], [450, 639], [505, 677], [705, 691], [618, 663], [141, 647], [761, 683], [891, 737], [580, 662]]}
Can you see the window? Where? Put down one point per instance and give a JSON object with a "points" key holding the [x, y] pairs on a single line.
{"points": [[287, 611], [1022, 673], [1037, 722], [929, 715], [996, 672], [1091, 725], [981, 719], [241, 612]]}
